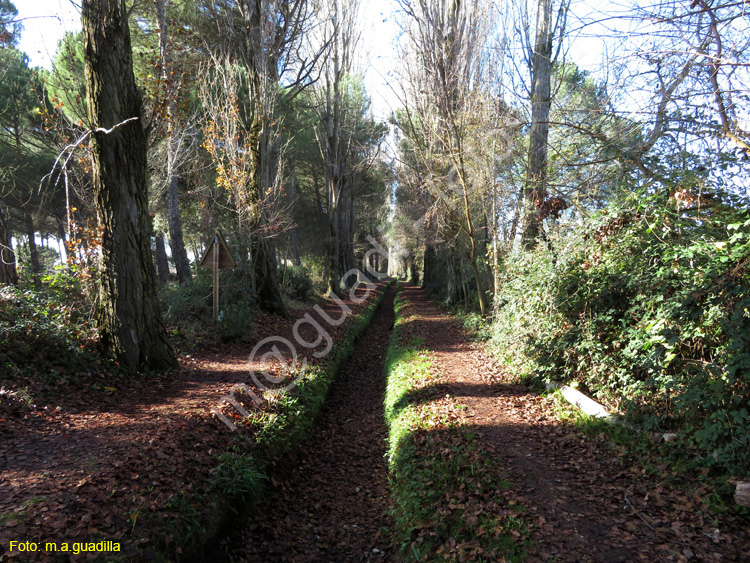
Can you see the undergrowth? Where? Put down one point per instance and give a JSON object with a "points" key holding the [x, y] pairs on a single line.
{"points": [[45, 328], [188, 309], [660, 459], [647, 307]]}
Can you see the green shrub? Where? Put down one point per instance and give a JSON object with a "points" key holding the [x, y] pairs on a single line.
{"points": [[315, 266], [648, 308], [46, 330], [188, 308], [297, 283], [237, 321], [478, 326], [187, 302]]}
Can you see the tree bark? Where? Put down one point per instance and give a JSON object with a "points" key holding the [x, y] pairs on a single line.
{"points": [[413, 273], [350, 257], [464, 285], [428, 265], [128, 317], [176, 243], [535, 190], [162, 263], [8, 273], [174, 146], [36, 267], [266, 281], [333, 254], [264, 257]]}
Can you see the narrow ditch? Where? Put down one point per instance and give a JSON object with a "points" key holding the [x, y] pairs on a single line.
{"points": [[333, 502]]}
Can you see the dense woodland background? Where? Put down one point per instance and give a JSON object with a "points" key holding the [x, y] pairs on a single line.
{"points": [[593, 228]]}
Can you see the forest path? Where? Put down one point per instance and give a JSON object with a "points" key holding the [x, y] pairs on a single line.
{"points": [[580, 498], [583, 501], [132, 460], [333, 503]]}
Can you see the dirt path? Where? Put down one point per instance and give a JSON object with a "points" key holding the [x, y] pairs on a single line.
{"points": [[584, 503], [333, 505], [111, 458], [103, 455]]}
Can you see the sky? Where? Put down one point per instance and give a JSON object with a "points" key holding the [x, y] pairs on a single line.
{"points": [[46, 21], [379, 39]]}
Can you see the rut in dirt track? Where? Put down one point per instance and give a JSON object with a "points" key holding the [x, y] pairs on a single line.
{"points": [[334, 505]]}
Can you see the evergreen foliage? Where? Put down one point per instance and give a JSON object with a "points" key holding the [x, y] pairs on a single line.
{"points": [[647, 306]]}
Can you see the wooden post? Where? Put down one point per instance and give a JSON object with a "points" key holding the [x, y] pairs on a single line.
{"points": [[217, 257], [216, 277]]}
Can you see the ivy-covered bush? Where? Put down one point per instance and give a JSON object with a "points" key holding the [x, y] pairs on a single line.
{"points": [[646, 307]]}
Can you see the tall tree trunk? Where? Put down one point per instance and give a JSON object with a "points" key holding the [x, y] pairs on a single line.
{"points": [[162, 263], [535, 190], [428, 265], [453, 285], [477, 274], [62, 238], [316, 187], [495, 250], [294, 235], [266, 281], [264, 256], [128, 317], [176, 243], [346, 246], [8, 273], [334, 255], [413, 274], [351, 260], [36, 267], [174, 146], [464, 285]]}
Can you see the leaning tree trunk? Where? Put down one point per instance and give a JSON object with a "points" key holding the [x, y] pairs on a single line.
{"points": [[536, 176], [128, 317], [8, 273]]}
